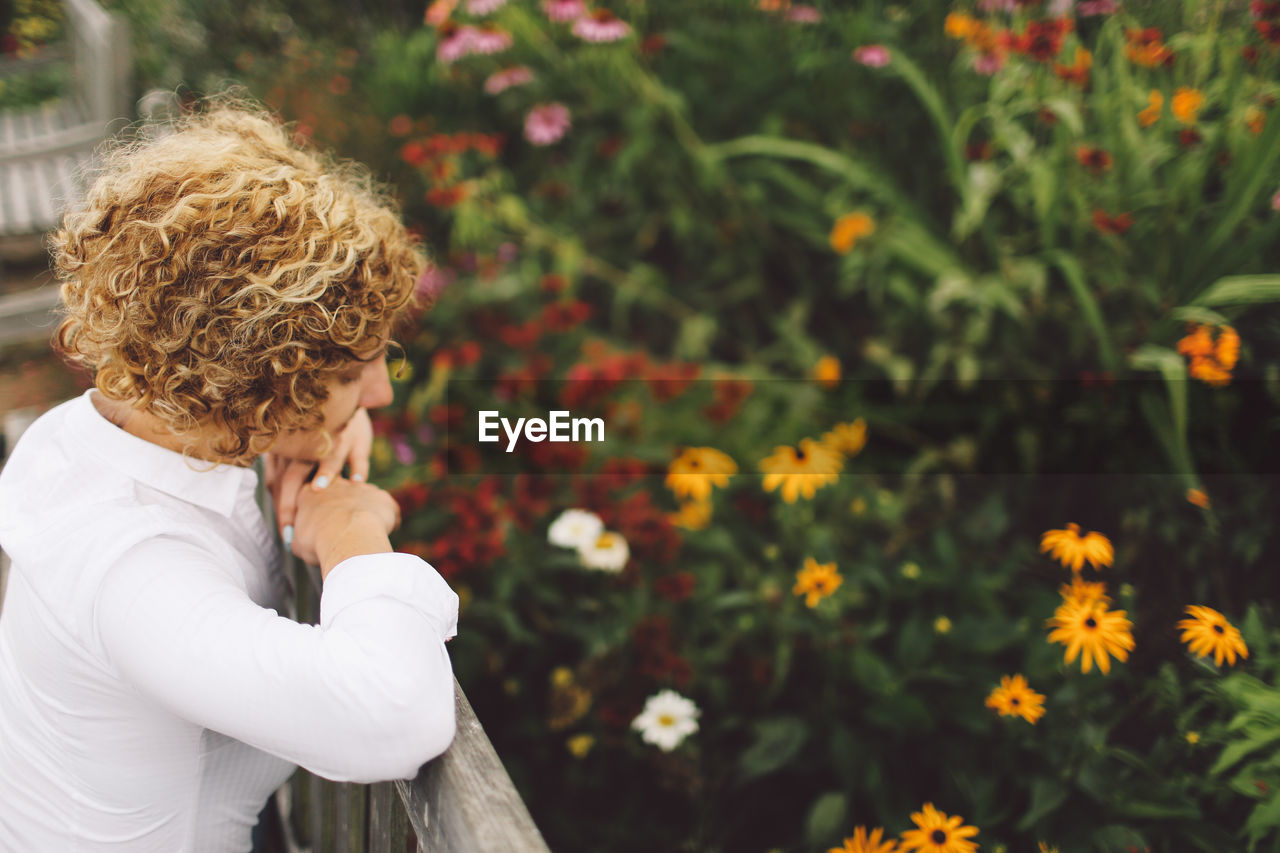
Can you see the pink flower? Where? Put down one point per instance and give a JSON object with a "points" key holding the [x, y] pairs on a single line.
{"points": [[564, 10], [456, 43], [432, 281], [500, 81], [1275, 201], [872, 55], [988, 63], [490, 40], [1087, 8], [484, 7], [998, 5], [546, 124], [804, 14], [600, 26]]}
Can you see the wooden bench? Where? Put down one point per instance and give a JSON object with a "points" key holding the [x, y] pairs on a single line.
{"points": [[44, 150]]}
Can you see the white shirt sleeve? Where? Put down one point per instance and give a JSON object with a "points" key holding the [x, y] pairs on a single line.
{"points": [[365, 696]]}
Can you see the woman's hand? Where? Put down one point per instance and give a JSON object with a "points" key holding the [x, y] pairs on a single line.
{"points": [[344, 519], [286, 477]]}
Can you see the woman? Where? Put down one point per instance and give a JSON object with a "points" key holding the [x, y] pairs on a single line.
{"points": [[234, 296]]}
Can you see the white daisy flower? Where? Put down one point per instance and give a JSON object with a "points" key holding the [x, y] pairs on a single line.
{"points": [[574, 528], [608, 552], [667, 719]]}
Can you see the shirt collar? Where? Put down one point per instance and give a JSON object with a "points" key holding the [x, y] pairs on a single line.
{"points": [[218, 488]]}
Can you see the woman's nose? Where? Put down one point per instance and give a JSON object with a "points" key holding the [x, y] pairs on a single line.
{"points": [[377, 386]]}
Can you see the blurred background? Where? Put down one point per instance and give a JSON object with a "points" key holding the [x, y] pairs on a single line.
{"points": [[870, 298]]}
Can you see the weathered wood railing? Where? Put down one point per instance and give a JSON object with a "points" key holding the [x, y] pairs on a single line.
{"points": [[462, 802]]}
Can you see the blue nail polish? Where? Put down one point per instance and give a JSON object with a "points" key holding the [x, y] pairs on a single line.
{"points": [[287, 536], [321, 482]]}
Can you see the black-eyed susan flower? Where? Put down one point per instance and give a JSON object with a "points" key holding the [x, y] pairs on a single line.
{"points": [[1072, 549], [693, 473], [1015, 698], [1208, 631], [936, 832], [692, 515], [816, 581], [864, 841], [1092, 632], [801, 471], [1083, 591], [847, 439], [849, 229]]}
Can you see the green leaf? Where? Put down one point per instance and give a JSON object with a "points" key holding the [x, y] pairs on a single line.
{"points": [[1117, 839], [1046, 795], [1256, 739], [1263, 820], [1073, 274], [1240, 290], [826, 818], [776, 743]]}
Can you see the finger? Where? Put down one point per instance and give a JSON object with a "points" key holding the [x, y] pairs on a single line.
{"points": [[291, 482], [361, 448]]}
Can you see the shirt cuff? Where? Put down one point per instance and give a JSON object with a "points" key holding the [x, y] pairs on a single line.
{"points": [[403, 577]]}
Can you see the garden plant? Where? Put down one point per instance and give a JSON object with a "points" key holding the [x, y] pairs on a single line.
{"points": [[935, 348]]}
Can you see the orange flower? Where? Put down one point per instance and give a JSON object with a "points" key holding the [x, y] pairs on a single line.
{"points": [[1198, 498], [1186, 104], [1107, 224], [1211, 361], [1151, 114], [1254, 119], [849, 229], [827, 371], [1146, 48], [1078, 71]]}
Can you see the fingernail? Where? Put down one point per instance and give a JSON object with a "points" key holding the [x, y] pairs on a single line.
{"points": [[287, 536], [321, 482], [357, 478]]}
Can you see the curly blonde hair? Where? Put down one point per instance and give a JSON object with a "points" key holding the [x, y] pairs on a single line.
{"points": [[219, 274]]}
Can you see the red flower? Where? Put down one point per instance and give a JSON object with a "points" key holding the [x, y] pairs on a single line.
{"points": [[553, 283], [1096, 160], [446, 196], [980, 150], [675, 587], [1107, 224], [523, 336], [1189, 136], [564, 316], [530, 499], [411, 497], [729, 395], [616, 474], [1042, 40], [648, 531], [414, 153], [653, 44], [668, 381]]}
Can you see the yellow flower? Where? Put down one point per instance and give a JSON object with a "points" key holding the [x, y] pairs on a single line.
{"points": [[697, 469], [1072, 550], [816, 581], [692, 515], [580, 745], [801, 471], [1089, 627], [1186, 104], [942, 625], [1193, 738], [938, 833], [1015, 698], [1209, 631], [849, 229], [827, 371], [910, 571], [1082, 591], [1151, 114], [863, 842], [858, 505], [1198, 497], [847, 439]]}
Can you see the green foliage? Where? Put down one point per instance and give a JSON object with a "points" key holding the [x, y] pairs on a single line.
{"points": [[1009, 329]]}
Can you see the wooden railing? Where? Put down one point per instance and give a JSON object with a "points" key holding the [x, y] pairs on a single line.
{"points": [[462, 802]]}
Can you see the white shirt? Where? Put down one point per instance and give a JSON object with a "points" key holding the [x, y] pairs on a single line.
{"points": [[151, 696]]}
